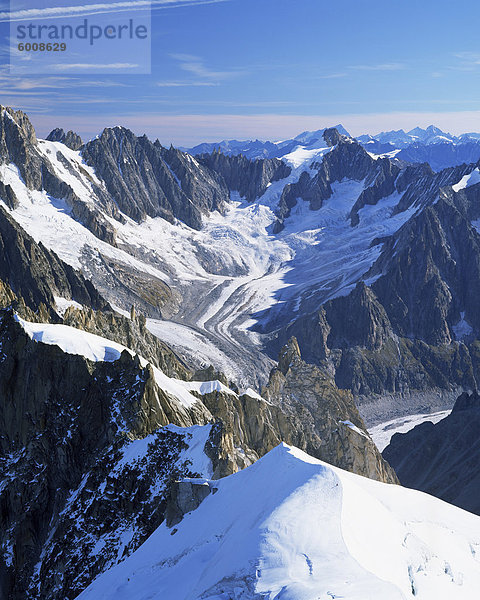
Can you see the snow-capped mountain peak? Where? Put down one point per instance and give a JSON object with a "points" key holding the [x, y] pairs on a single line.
{"points": [[298, 528]]}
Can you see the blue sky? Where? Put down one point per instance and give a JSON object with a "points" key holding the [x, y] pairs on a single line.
{"points": [[272, 68]]}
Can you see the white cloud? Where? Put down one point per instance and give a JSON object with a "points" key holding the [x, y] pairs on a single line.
{"points": [[380, 67], [333, 76], [57, 12], [93, 66], [196, 66], [15, 84], [468, 61], [473, 57], [174, 84]]}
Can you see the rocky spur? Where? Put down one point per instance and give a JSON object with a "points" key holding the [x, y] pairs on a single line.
{"points": [[85, 31]]}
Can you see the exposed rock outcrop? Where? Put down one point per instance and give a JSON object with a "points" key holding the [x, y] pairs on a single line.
{"points": [[346, 159], [37, 274], [133, 334], [301, 406], [414, 328], [185, 496], [87, 214], [8, 195], [59, 446], [142, 183], [250, 178], [328, 425], [70, 138], [73, 462], [18, 145], [442, 459]]}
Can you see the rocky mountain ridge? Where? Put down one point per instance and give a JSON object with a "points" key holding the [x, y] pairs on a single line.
{"points": [[88, 469], [442, 459], [62, 449], [375, 541]]}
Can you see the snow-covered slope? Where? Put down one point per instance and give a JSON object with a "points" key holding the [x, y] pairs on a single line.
{"points": [[467, 180], [97, 348], [293, 528]]}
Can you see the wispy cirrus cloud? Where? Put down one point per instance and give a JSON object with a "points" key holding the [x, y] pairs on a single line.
{"points": [[466, 61], [15, 84], [379, 67], [196, 66], [58, 12], [177, 84], [93, 66], [333, 76]]}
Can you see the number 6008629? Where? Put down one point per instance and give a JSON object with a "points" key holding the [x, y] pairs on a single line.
{"points": [[42, 47]]}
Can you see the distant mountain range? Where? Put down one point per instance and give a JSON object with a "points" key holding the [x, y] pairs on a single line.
{"points": [[431, 145], [254, 149]]}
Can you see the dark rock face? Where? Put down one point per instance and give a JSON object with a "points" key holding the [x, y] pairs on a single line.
{"points": [[346, 159], [420, 186], [442, 459], [433, 274], [142, 183], [131, 333], [300, 406], [402, 333], [8, 195], [70, 139], [354, 337], [467, 402], [185, 496], [357, 320], [333, 137], [250, 178], [381, 183], [326, 422], [18, 145], [203, 185], [61, 462], [88, 215], [37, 274]]}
